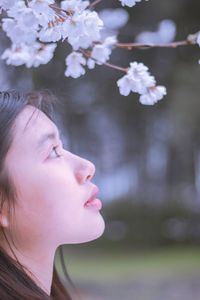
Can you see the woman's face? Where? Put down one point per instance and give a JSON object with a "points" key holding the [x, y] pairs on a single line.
{"points": [[52, 189]]}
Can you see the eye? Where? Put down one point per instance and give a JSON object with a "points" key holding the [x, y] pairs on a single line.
{"points": [[54, 150]]}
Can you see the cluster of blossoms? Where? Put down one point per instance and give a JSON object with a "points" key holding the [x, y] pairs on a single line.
{"points": [[100, 54], [30, 56], [129, 3], [35, 26], [139, 80]]}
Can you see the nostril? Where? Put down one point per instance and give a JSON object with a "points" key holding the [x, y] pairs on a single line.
{"points": [[89, 177]]}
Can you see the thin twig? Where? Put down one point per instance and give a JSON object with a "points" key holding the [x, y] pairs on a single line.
{"points": [[56, 7], [92, 5], [68, 13], [115, 67], [88, 55], [62, 12], [176, 44]]}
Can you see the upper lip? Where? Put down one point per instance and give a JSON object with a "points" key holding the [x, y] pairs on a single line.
{"points": [[94, 192]]}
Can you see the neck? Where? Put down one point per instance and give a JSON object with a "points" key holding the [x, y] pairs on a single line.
{"points": [[38, 265]]}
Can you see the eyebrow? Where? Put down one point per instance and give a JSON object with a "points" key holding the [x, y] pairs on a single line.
{"points": [[46, 137]]}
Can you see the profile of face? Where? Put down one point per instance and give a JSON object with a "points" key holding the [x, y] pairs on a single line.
{"points": [[52, 186]]}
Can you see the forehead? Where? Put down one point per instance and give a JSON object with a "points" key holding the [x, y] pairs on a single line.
{"points": [[30, 124]]}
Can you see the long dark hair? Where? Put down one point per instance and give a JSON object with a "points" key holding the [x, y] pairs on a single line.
{"points": [[14, 281]]}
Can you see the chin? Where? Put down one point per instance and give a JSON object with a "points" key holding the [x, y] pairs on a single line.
{"points": [[94, 234]]}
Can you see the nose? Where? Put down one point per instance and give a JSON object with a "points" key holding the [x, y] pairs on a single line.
{"points": [[85, 170]]}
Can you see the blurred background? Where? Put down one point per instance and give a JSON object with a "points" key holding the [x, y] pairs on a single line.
{"points": [[147, 158]]}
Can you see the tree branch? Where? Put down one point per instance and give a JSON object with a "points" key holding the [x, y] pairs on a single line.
{"points": [[88, 55], [176, 44], [115, 67], [92, 5], [60, 10]]}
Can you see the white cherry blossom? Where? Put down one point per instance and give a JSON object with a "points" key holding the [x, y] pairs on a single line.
{"points": [[125, 85], [74, 62], [74, 5], [17, 33], [43, 11], [5, 4], [23, 15], [153, 95], [15, 10], [139, 80], [16, 55], [91, 63], [29, 55], [83, 29], [129, 3], [50, 34], [40, 54], [140, 77], [101, 52]]}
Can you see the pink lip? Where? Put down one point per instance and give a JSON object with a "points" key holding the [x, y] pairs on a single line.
{"points": [[94, 194]]}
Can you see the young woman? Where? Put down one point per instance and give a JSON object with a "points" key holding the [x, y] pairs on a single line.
{"points": [[43, 193]]}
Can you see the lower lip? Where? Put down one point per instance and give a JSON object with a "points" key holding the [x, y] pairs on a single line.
{"points": [[94, 204]]}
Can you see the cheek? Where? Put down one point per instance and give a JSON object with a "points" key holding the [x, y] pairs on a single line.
{"points": [[49, 198]]}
